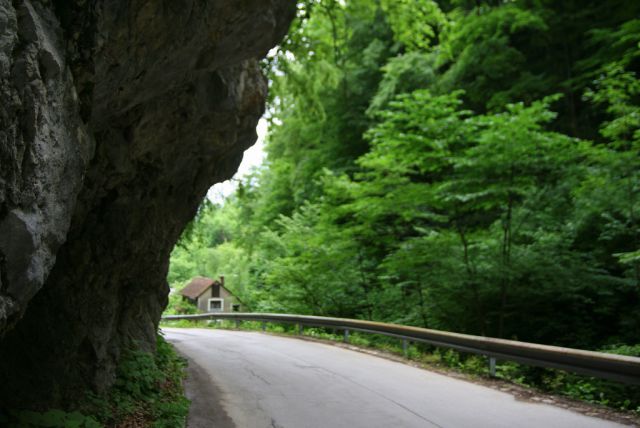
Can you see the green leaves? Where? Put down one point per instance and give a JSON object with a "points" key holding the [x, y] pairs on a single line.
{"points": [[148, 388], [619, 90], [421, 170], [416, 24], [52, 418], [311, 267], [463, 182], [485, 59]]}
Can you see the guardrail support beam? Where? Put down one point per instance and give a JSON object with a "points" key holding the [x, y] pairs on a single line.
{"points": [[608, 366], [405, 348], [264, 326], [301, 329], [492, 367]]}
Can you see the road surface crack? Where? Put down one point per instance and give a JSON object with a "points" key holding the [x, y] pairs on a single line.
{"points": [[254, 374], [274, 424]]}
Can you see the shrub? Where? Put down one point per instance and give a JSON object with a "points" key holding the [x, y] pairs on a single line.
{"points": [[148, 388]]}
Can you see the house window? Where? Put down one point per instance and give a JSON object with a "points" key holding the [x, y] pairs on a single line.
{"points": [[236, 308], [216, 305]]}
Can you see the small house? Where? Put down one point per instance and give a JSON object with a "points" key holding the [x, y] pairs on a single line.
{"points": [[210, 295]]}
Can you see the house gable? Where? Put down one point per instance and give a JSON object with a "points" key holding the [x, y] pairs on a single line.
{"points": [[205, 292]]}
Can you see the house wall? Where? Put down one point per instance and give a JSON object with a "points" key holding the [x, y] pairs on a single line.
{"points": [[203, 301], [216, 292], [228, 299]]}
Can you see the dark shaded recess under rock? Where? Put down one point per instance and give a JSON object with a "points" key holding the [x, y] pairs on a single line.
{"points": [[116, 117]]}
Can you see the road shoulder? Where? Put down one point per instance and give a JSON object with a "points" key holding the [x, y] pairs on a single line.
{"points": [[206, 409]]}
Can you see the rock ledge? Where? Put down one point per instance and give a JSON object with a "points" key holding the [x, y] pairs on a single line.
{"points": [[116, 117]]}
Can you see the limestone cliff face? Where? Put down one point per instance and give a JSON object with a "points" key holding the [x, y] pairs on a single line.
{"points": [[116, 117]]}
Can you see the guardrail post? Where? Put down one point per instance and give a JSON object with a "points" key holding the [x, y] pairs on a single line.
{"points": [[405, 348], [237, 324], [301, 329], [346, 335], [264, 326], [492, 367]]}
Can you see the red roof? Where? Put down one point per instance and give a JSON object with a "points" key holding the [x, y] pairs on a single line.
{"points": [[196, 287]]}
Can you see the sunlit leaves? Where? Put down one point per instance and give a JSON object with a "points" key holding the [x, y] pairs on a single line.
{"points": [[415, 23], [420, 172]]}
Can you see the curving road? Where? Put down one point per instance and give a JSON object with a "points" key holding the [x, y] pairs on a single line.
{"points": [[254, 380]]}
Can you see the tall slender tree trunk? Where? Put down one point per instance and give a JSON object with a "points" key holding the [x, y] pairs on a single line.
{"points": [[423, 311], [631, 197], [571, 99], [506, 262], [472, 280], [365, 286]]}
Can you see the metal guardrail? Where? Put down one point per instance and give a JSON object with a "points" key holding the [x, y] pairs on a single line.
{"points": [[598, 364]]}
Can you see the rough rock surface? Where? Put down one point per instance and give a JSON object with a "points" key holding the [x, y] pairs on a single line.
{"points": [[116, 117]]}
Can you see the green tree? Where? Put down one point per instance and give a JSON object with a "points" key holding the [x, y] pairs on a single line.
{"points": [[420, 170]]}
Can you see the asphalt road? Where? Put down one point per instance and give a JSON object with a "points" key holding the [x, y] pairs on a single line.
{"points": [[253, 380]]}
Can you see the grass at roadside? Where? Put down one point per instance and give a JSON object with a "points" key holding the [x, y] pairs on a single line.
{"points": [[583, 388], [148, 392]]}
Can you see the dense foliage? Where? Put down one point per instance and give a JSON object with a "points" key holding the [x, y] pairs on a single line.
{"points": [[463, 165], [148, 392]]}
